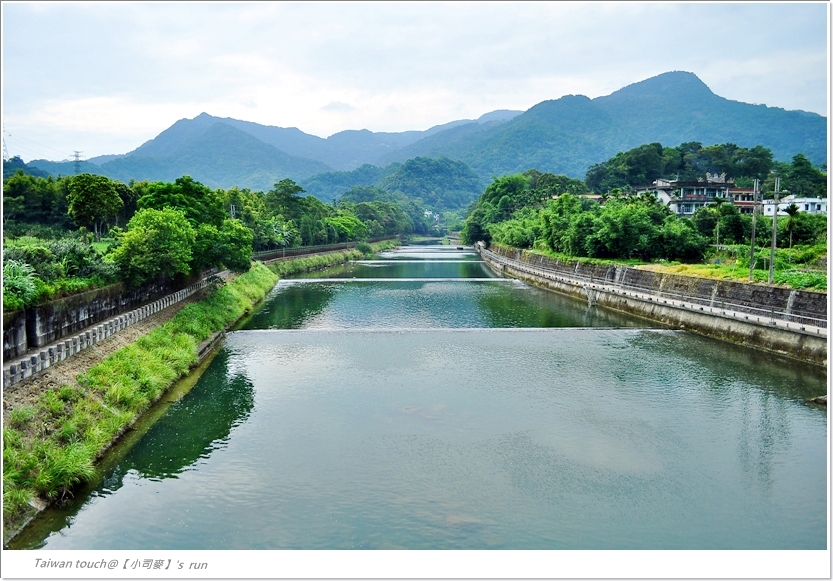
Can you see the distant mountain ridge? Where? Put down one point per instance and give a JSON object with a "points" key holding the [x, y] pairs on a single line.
{"points": [[569, 134], [564, 135]]}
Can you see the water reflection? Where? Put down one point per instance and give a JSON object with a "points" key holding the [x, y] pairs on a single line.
{"points": [[525, 306], [192, 428], [765, 430], [188, 432], [291, 306]]}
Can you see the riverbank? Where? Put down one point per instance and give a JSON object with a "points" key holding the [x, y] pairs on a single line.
{"points": [[788, 322], [52, 440], [57, 425], [287, 266]]}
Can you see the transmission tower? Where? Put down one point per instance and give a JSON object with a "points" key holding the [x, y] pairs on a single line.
{"points": [[76, 157], [5, 151]]}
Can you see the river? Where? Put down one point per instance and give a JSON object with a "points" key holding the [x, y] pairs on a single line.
{"points": [[416, 401]]}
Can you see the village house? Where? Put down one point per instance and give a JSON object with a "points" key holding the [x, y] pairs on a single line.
{"points": [[684, 198], [809, 205], [743, 199]]}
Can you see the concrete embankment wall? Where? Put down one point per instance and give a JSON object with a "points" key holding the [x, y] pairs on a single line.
{"points": [[784, 321], [35, 327]]}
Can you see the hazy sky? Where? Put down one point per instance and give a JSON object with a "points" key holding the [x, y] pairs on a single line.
{"points": [[103, 78]]}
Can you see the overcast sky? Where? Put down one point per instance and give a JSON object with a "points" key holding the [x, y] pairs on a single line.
{"points": [[104, 78]]}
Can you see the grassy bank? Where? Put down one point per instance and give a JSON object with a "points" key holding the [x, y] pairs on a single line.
{"points": [[317, 261], [52, 445], [800, 267], [795, 268]]}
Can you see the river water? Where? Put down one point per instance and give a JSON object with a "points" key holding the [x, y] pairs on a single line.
{"points": [[419, 402]]}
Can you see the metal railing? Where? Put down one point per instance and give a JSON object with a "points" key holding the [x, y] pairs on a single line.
{"points": [[758, 315]]}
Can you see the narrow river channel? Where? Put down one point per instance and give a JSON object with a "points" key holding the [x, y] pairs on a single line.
{"points": [[416, 401]]}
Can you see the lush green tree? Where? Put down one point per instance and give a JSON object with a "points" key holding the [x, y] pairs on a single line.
{"points": [[521, 231], [548, 185], [802, 179], [476, 227], [199, 203], [679, 239], [557, 218], [346, 227], [808, 228], [156, 244], [235, 246], [383, 218], [35, 205], [284, 199], [93, 200], [735, 228]]}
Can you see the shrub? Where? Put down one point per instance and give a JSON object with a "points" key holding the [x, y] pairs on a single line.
{"points": [[19, 281]]}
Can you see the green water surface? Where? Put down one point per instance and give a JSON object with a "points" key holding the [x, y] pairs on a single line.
{"points": [[423, 409]]}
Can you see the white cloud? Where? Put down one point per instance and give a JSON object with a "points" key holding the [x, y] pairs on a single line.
{"points": [[127, 71]]}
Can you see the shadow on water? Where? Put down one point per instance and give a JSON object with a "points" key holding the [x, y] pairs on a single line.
{"points": [[186, 426], [718, 361], [764, 420], [528, 306]]}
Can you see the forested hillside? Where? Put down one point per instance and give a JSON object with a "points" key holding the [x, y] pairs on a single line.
{"points": [[440, 184]]}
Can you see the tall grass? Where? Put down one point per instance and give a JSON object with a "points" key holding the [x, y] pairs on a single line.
{"points": [[51, 446], [317, 261], [314, 262]]}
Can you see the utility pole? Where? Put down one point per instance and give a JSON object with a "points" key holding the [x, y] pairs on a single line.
{"points": [[752, 241], [76, 156], [774, 230]]}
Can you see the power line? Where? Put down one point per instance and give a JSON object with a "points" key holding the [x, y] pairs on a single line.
{"points": [[35, 142]]}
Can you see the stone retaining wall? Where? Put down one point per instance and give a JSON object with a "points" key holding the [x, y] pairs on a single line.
{"points": [[35, 362], [35, 327], [755, 297]]}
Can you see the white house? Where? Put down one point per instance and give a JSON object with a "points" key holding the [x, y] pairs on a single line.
{"points": [[809, 205]]}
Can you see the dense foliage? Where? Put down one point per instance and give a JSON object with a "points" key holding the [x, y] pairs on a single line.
{"points": [[166, 230], [642, 165], [548, 212], [37, 270]]}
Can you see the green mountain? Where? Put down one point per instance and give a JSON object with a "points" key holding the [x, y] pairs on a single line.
{"points": [[219, 156], [343, 151], [569, 134], [562, 136], [329, 186], [442, 184], [11, 165]]}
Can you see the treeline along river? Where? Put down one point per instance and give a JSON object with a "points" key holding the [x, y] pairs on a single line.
{"points": [[417, 401]]}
